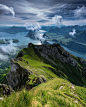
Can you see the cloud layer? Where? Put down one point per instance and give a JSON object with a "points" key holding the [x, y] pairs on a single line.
{"points": [[3, 57], [6, 10], [29, 11], [37, 32], [34, 26], [80, 12], [9, 49], [57, 20]]}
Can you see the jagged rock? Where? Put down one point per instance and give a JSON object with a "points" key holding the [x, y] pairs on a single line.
{"points": [[44, 79], [56, 52], [20, 54], [30, 45], [5, 89], [39, 80], [83, 62], [18, 75]]}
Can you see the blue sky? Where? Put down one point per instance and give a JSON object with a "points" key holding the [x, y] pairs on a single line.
{"points": [[44, 12]]}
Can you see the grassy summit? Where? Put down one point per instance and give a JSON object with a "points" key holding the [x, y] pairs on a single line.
{"points": [[54, 93]]}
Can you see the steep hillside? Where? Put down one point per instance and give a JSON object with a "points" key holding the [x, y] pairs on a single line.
{"points": [[55, 93], [41, 63], [52, 75]]}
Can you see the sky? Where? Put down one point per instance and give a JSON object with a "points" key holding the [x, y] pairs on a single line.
{"points": [[44, 12]]}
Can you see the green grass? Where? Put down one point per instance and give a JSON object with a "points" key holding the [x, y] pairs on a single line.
{"points": [[3, 76], [48, 94], [40, 66], [58, 91]]}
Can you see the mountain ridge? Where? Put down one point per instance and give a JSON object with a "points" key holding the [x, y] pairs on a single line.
{"points": [[46, 72], [49, 57]]}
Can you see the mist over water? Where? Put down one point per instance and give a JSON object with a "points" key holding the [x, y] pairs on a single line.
{"points": [[12, 47], [20, 36]]}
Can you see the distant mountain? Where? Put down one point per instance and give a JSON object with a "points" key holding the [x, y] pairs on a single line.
{"points": [[80, 36], [72, 45], [31, 34], [47, 28], [66, 29], [14, 29]]}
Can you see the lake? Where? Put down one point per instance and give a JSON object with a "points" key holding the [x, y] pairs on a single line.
{"points": [[25, 40], [20, 36]]}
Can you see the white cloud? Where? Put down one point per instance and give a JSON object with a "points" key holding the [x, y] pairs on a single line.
{"points": [[6, 10], [9, 49], [57, 20], [33, 27], [39, 36], [37, 32], [74, 22], [72, 33], [80, 12], [3, 57]]}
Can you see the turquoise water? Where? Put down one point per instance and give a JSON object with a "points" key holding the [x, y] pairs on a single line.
{"points": [[20, 36], [25, 40]]}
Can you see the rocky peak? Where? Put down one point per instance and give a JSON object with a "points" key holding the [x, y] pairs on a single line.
{"points": [[56, 52], [18, 75]]}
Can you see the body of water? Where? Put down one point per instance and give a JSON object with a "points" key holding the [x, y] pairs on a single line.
{"points": [[25, 40], [72, 52], [75, 53], [20, 36]]}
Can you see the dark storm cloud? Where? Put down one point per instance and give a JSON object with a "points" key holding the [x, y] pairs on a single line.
{"points": [[6, 10], [24, 18], [66, 11], [43, 21], [54, 2], [43, 10]]}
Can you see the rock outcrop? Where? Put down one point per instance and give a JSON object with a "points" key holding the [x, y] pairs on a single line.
{"points": [[18, 75], [56, 52], [5, 89]]}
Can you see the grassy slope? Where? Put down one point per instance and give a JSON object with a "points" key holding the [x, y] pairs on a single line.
{"points": [[3, 76], [57, 92], [47, 95], [41, 66]]}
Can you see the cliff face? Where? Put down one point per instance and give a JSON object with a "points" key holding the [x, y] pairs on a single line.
{"points": [[40, 63], [18, 75], [56, 52]]}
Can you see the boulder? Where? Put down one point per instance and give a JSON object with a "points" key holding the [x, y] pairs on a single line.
{"points": [[18, 75], [5, 89]]}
